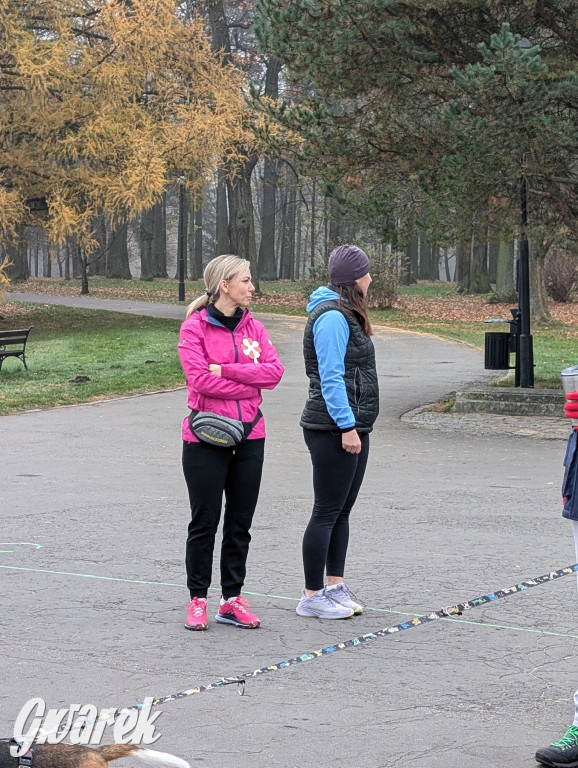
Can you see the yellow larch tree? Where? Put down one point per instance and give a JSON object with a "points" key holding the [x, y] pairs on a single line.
{"points": [[102, 104]]}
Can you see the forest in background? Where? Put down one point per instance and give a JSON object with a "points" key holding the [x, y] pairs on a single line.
{"points": [[137, 135]]}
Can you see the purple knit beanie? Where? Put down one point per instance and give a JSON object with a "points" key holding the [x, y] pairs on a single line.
{"points": [[346, 264]]}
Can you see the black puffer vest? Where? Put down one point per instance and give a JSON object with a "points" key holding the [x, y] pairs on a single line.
{"points": [[360, 376]]}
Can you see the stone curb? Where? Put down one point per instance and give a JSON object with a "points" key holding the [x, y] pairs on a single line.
{"points": [[487, 424], [510, 401]]}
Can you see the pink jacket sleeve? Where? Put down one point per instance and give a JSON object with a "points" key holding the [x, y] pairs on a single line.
{"points": [[196, 370], [266, 374]]}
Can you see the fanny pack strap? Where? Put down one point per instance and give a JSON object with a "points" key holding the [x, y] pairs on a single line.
{"points": [[247, 425]]}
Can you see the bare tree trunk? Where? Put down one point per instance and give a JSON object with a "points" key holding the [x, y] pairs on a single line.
{"points": [[96, 261], [67, 259], [182, 230], [287, 267], [313, 212], [222, 235], [242, 220], [493, 250], [267, 266], [117, 265], [447, 266], [191, 237], [160, 238], [197, 260], [146, 245], [479, 280], [17, 253], [539, 310], [241, 228], [267, 263], [335, 218], [282, 207], [35, 254], [410, 262], [48, 259], [463, 267], [298, 237], [78, 261], [82, 261], [505, 290], [428, 261], [424, 258]]}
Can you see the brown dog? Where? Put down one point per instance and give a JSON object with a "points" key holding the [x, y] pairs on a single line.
{"points": [[78, 756]]}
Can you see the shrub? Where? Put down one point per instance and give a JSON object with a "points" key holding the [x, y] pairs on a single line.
{"points": [[560, 274], [386, 274], [318, 275]]}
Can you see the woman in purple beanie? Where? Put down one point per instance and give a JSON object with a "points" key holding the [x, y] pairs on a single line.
{"points": [[341, 408]]}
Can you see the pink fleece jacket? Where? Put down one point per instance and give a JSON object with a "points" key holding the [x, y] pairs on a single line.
{"points": [[248, 360]]}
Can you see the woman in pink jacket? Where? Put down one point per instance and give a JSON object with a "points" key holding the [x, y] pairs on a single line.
{"points": [[227, 358]]}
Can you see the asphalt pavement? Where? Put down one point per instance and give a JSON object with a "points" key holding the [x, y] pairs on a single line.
{"points": [[93, 515]]}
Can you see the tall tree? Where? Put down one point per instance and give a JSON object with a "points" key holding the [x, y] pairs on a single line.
{"points": [[104, 103], [117, 262], [16, 253], [240, 163], [160, 237], [146, 245], [197, 272], [222, 214], [267, 266], [505, 289], [434, 103]]}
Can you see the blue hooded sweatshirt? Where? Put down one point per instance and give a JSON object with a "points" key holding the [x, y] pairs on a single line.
{"points": [[330, 337]]}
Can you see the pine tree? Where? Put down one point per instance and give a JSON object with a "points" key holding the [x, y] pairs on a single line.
{"points": [[430, 112]]}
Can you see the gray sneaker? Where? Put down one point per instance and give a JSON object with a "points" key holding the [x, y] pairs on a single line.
{"points": [[344, 596], [321, 606]]}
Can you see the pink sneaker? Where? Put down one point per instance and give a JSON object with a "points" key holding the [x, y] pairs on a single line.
{"points": [[236, 611], [196, 614]]}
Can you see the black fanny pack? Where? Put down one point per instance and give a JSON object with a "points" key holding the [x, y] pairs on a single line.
{"points": [[220, 430]]}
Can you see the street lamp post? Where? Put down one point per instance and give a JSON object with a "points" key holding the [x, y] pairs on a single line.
{"points": [[181, 239], [525, 345]]}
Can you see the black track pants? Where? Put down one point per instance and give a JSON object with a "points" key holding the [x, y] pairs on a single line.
{"points": [[209, 472]]}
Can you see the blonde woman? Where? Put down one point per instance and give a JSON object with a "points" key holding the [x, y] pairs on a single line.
{"points": [[227, 358]]}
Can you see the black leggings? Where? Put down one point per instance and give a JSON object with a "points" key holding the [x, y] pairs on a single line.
{"points": [[337, 478], [209, 471]]}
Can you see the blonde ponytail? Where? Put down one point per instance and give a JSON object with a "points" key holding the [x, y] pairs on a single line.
{"points": [[199, 303]]}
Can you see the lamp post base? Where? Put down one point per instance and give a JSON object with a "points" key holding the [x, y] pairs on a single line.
{"points": [[526, 355]]}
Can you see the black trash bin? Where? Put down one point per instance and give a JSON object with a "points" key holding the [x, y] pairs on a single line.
{"points": [[497, 351]]}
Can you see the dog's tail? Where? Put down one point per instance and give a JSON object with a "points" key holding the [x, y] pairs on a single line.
{"points": [[150, 756]]}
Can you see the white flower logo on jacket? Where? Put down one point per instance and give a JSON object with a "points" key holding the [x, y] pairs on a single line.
{"points": [[251, 349]]}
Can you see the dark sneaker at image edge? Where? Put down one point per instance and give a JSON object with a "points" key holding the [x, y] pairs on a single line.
{"points": [[563, 753]]}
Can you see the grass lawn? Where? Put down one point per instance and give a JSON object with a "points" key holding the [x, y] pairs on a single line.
{"points": [[555, 347], [119, 354]]}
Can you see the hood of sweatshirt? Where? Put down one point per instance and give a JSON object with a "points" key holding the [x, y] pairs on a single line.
{"points": [[319, 295]]}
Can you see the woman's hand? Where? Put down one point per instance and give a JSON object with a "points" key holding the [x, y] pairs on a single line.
{"points": [[215, 369], [350, 441]]}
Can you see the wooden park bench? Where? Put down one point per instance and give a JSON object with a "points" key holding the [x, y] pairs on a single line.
{"points": [[13, 344]]}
